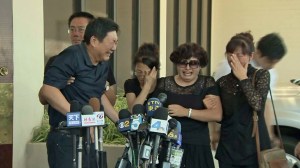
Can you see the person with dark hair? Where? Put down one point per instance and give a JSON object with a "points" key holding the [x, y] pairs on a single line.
{"points": [[237, 147], [269, 51], [189, 102], [77, 23], [88, 63], [146, 65]]}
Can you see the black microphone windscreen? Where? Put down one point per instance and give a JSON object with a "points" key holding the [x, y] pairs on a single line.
{"points": [[95, 103], [295, 81], [172, 123], [75, 106], [87, 109], [138, 109], [162, 97], [124, 113], [161, 113]]}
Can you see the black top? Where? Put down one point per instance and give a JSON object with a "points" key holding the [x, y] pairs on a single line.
{"points": [[133, 86], [90, 79], [110, 77], [193, 131], [239, 99]]}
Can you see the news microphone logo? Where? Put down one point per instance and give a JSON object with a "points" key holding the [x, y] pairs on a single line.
{"points": [[152, 105], [74, 119], [159, 126], [124, 125], [95, 119], [136, 120]]}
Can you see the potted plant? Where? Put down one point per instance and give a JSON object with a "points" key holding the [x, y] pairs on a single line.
{"points": [[113, 140]]}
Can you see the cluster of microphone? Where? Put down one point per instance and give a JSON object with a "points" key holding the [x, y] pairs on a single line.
{"points": [[154, 138], [90, 116]]}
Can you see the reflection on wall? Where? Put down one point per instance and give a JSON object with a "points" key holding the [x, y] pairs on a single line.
{"points": [[6, 113]]}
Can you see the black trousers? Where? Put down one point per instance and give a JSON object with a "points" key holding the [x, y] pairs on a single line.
{"points": [[60, 151]]}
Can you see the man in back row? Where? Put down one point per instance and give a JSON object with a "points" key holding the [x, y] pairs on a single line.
{"points": [[77, 23], [88, 63]]}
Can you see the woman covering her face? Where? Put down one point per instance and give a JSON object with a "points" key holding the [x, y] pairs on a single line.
{"points": [[146, 64], [193, 100], [237, 147]]}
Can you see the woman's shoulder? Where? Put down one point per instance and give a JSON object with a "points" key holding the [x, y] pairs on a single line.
{"points": [[261, 73], [208, 80], [132, 81]]}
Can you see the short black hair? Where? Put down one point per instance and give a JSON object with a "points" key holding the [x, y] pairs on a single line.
{"points": [[87, 15], [99, 28], [271, 46], [188, 50]]}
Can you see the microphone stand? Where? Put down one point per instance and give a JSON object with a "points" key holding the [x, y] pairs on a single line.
{"points": [[74, 150], [79, 150], [102, 157], [88, 146]]}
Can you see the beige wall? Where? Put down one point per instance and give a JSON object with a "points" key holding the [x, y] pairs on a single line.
{"points": [[28, 53], [261, 17]]}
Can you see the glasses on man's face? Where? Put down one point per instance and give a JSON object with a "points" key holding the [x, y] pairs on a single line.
{"points": [[193, 64], [73, 29]]}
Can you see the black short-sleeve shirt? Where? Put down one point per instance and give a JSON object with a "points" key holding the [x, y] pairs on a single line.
{"points": [[90, 79]]}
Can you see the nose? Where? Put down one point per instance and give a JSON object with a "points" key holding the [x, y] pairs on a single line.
{"points": [[187, 66], [114, 47]]}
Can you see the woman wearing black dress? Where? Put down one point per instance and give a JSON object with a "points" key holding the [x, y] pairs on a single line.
{"points": [[146, 64], [192, 100], [237, 148]]}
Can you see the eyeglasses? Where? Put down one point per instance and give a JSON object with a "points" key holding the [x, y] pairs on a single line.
{"points": [[80, 29], [237, 54], [141, 73], [193, 64]]}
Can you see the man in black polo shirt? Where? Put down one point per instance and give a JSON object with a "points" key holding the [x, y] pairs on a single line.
{"points": [[86, 62], [77, 23]]}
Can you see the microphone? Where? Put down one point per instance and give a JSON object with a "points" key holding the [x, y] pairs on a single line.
{"points": [[179, 139], [171, 138], [173, 130], [177, 152], [98, 135], [75, 106], [162, 97], [87, 110], [137, 118], [159, 126], [124, 121], [124, 127], [154, 103], [295, 81], [95, 103]]}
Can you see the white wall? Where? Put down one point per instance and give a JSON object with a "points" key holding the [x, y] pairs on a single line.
{"points": [[28, 53], [261, 17]]}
